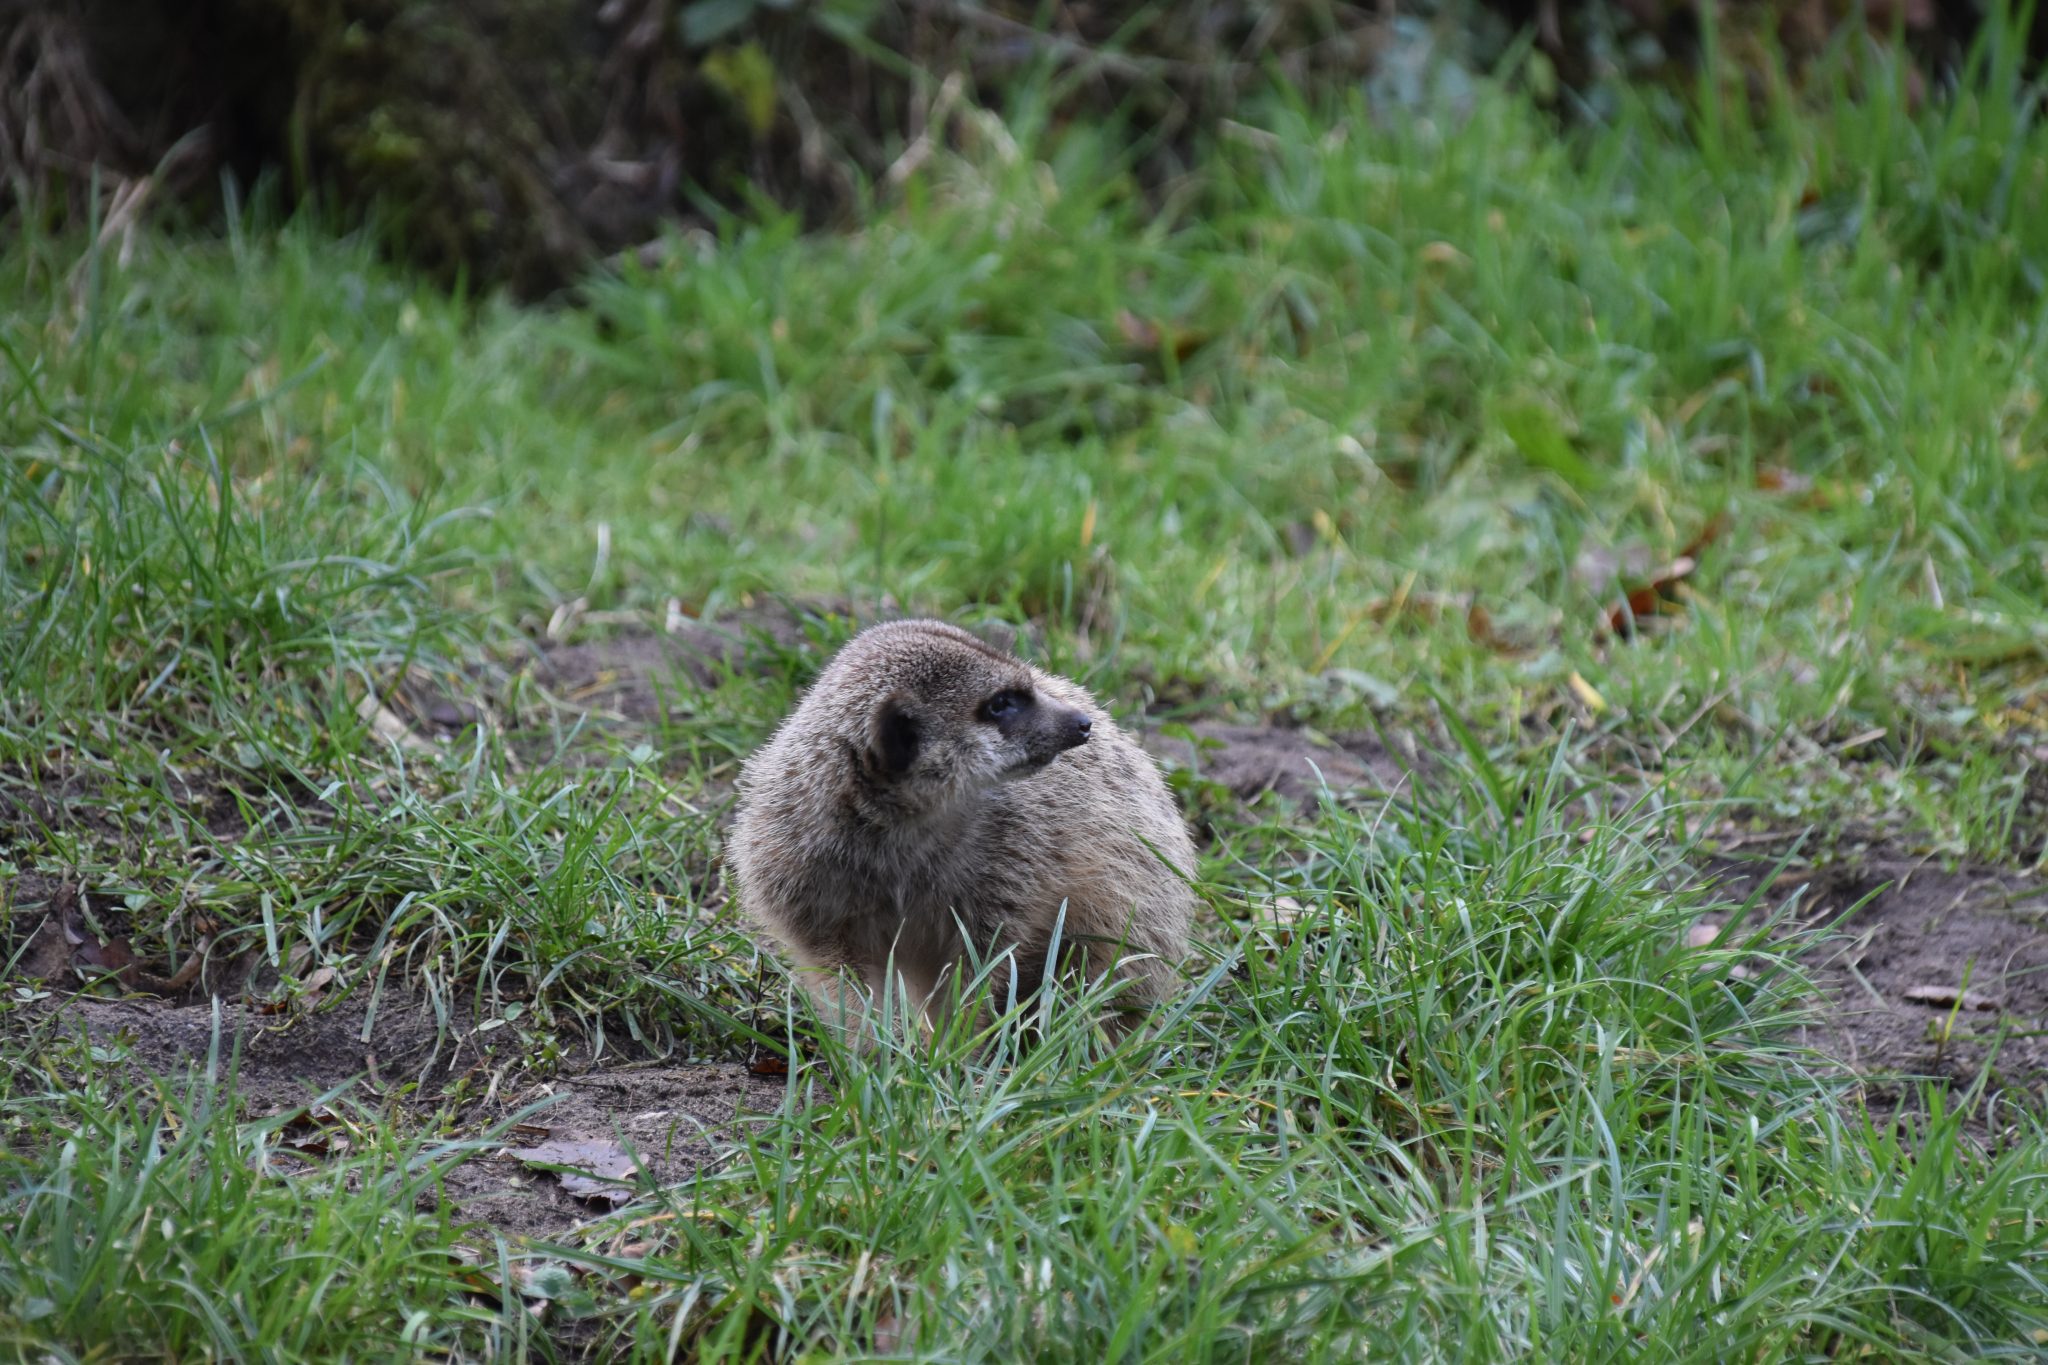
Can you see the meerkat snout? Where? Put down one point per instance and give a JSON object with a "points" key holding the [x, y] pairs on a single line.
{"points": [[1045, 729], [934, 801]]}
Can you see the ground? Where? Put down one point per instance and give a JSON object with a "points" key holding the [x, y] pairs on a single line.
{"points": [[1927, 966], [1585, 587]]}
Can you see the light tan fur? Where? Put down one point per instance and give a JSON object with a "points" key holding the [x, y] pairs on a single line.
{"points": [[890, 818]]}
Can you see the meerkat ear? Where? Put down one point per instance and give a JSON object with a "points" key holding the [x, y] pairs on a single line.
{"points": [[893, 736]]}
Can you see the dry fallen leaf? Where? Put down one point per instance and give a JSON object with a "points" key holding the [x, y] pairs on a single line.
{"points": [[1950, 997], [317, 1131], [1702, 935], [888, 1332], [595, 1167], [91, 956], [1143, 334], [47, 955], [1648, 599], [1479, 625], [1136, 331], [386, 725], [1601, 569], [1773, 479], [308, 993], [1586, 693], [1279, 916]]}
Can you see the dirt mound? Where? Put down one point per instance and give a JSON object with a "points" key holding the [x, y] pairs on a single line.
{"points": [[627, 675], [668, 1121], [1936, 972], [396, 1045], [1251, 760], [674, 1119]]}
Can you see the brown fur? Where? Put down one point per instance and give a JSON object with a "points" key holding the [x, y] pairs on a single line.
{"points": [[889, 810]]}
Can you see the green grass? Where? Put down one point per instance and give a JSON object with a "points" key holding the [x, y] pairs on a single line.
{"points": [[1257, 443], [154, 1224], [1502, 1118]]}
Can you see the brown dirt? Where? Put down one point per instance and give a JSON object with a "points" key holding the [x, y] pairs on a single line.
{"points": [[627, 675], [32, 945], [678, 1118], [1294, 764], [1925, 936]]}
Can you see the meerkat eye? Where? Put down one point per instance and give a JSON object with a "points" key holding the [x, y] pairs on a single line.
{"points": [[1004, 704]]}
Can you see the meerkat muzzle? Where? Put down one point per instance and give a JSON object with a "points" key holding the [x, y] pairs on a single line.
{"points": [[1060, 729]]}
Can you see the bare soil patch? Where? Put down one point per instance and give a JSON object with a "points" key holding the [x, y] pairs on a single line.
{"points": [[674, 1118], [1940, 971], [1297, 765], [626, 675], [667, 1122]]}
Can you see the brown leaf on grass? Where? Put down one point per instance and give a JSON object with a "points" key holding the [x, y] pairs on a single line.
{"points": [[595, 1167], [888, 1332], [318, 1131], [1424, 606], [1136, 331], [1702, 935], [1142, 334], [1596, 566], [178, 981], [1479, 625], [308, 993], [1950, 997], [1278, 917], [47, 955], [1776, 479], [766, 1063], [387, 726], [90, 955], [1649, 599]]}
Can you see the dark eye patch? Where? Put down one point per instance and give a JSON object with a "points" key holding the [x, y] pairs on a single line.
{"points": [[1004, 705]]}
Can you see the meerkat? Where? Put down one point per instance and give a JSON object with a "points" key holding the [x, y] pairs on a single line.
{"points": [[933, 801]]}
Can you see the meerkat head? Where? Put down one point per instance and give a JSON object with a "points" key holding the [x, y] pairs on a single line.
{"points": [[939, 715]]}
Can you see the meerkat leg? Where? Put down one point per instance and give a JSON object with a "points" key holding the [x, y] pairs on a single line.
{"points": [[841, 1005], [847, 994]]}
